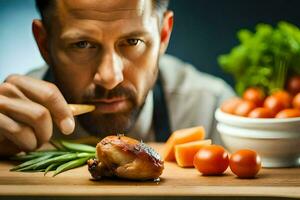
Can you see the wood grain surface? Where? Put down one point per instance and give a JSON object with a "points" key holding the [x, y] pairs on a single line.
{"points": [[175, 181]]}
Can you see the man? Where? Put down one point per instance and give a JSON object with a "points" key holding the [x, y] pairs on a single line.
{"points": [[109, 54]]}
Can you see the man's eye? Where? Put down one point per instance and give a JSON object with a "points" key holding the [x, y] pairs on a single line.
{"points": [[133, 42], [83, 45]]}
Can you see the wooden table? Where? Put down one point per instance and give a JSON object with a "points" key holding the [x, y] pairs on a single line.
{"points": [[175, 183]]}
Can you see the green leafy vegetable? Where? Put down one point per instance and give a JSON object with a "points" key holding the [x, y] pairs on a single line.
{"points": [[70, 165], [78, 147], [264, 58], [67, 155], [31, 162], [51, 167]]}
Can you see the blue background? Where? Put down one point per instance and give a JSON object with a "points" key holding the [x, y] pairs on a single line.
{"points": [[203, 30]]}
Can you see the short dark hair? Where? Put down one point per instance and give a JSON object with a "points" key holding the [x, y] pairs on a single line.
{"points": [[43, 7]]}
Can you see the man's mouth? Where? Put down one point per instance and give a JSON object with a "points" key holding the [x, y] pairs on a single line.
{"points": [[110, 105]]}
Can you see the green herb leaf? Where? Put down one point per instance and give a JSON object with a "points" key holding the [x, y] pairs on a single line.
{"points": [[272, 50], [57, 144], [78, 147], [31, 162], [24, 157], [51, 167], [70, 165]]}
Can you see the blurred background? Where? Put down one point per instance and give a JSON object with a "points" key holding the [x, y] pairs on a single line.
{"points": [[203, 30]]}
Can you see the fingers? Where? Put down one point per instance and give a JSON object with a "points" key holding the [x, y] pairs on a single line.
{"points": [[48, 95], [32, 114], [21, 135], [11, 91]]}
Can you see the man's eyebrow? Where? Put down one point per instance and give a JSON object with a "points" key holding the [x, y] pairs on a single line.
{"points": [[77, 34], [135, 34], [73, 35]]}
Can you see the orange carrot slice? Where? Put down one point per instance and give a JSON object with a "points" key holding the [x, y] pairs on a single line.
{"points": [[184, 153], [182, 136]]}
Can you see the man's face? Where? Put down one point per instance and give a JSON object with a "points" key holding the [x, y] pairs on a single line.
{"points": [[105, 53]]}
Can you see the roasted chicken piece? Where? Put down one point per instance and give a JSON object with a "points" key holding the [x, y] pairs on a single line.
{"points": [[124, 157]]}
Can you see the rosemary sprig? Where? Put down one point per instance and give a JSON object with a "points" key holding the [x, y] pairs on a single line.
{"points": [[66, 156]]}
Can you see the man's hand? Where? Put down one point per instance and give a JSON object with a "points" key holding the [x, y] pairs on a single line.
{"points": [[27, 108]]}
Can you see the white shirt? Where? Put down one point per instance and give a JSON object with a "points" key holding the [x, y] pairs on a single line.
{"points": [[191, 96]]}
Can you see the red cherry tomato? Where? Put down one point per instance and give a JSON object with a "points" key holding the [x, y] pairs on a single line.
{"points": [[245, 163], [244, 108], [288, 113], [230, 105], [296, 101], [260, 113], [211, 160], [284, 97], [274, 104], [255, 95], [293, 85]]}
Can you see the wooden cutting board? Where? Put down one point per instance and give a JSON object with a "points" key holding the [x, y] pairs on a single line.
{"points": [[175, 181]]}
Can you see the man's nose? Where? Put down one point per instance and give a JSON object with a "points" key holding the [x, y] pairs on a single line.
{"points": [[110, 71]]}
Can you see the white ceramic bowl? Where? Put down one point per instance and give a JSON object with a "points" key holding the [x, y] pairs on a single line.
{"points": [[276, 140]]}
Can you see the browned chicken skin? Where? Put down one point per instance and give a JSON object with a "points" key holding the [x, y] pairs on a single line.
{"points": [[124, 157]]}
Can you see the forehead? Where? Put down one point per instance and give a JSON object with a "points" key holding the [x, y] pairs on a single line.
{"points": [[104, 10], [104, 19]]}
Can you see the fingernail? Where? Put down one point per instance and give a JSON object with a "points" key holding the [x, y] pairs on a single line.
{"points": [[67, 126]]}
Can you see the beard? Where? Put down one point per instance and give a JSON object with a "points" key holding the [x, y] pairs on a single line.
{"points": [[109, 124], [103, 124]]}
